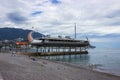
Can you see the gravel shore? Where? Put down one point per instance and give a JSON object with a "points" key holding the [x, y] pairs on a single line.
{"points": [[23, 68]]}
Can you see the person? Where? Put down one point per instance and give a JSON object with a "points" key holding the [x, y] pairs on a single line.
{"points": [[10, 49], [33, 59], [12, 52], [91, 66]]}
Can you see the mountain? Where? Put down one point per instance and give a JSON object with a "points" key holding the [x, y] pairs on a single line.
{"points": [[14, 33]]}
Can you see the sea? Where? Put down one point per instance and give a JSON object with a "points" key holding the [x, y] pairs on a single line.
{"points": [[104, 60]]}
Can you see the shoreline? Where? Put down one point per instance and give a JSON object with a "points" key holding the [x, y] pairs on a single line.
{"points": [[21, 67], [101, 70], [82, 67]]}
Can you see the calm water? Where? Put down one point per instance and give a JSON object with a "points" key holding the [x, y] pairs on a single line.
{"points": [[107, 60]]}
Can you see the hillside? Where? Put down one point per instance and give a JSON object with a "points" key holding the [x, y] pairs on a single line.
{"points": [[14, 33]]}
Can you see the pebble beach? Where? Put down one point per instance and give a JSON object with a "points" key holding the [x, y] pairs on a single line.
{"points": [[20, 67]]}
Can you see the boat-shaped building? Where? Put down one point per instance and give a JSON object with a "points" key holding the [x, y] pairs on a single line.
{"points": [[59, 45]]}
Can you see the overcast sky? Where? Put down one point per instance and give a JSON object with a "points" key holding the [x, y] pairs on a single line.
{"points": [[98, 19]]}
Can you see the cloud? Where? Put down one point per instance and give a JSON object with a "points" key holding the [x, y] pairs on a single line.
{"points": [[16, 18], [114, 14], [55, 1], [97, 17], [36, 13]]}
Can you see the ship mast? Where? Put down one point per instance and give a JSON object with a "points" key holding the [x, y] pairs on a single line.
{"points": [[75, 30]]}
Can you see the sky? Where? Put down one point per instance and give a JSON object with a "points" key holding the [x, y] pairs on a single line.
{"points": [[99, 20]]}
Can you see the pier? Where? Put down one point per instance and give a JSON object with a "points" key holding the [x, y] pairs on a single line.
{"points": [[47, 46], [56, 46], [54, 53]]}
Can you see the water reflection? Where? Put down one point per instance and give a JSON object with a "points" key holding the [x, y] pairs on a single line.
{"points": [[81, 59]]}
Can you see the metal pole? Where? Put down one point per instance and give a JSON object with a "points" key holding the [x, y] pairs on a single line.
{"points": [[75, 30]]}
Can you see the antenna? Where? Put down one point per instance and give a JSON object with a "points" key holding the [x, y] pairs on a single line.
{"points": [[75, 30]]}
